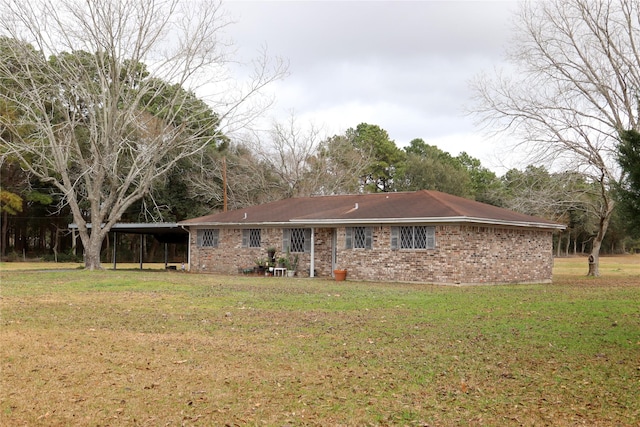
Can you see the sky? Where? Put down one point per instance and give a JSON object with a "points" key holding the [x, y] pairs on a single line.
{"points": [[402, 65]]}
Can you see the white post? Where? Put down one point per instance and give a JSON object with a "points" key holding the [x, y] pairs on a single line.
{"points": [[313, 253]]}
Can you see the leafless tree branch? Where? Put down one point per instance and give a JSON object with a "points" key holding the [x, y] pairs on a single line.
{"points": [[107, 91], [575, 87]]}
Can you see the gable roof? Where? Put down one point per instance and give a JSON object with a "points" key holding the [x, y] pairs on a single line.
{"points": [[423, 206]]}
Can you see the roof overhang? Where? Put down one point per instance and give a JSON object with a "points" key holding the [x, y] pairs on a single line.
{"points": [[444, 220], [165, 232], [141, 227], [382, 221]]}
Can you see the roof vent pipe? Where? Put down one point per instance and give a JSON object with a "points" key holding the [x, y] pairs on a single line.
{"points": [[245, 216], [356, 206]]}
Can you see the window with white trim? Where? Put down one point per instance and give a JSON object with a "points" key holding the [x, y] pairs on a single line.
{"points": [[413, 237], [208, 237]]}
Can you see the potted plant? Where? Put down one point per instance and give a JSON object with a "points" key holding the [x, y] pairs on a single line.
{"points": [[261, 265], [339, 274], [271, 253], [291, 263]]}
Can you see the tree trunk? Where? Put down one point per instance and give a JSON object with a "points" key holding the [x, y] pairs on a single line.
{"points": [[56, 241], [150, 254], [593, 265], [605, 212], [594, 257], [20, 239], [108, 249], [92, 249], [74, 242], [42, 241], [92, 257], [4, 238]]}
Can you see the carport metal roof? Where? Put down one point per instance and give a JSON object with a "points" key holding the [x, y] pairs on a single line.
{"points": [[164, 232]]}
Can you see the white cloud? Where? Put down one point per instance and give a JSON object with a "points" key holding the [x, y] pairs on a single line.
{"points": [[401, 65]]}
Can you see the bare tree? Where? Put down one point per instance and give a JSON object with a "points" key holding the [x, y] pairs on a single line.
{"points": [[573, 89], [288, 160], [561, 196], [107, 94], [305, 164], [339, 164], [285, 149], [249, 181]]}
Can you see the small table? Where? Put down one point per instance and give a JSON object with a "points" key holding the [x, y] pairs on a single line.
{"points": [[279, 271]]}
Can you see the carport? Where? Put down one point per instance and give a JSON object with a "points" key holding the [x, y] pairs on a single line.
{"points": [[164, 232]]}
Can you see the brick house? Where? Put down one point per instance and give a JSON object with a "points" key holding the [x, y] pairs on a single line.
{"points": [[423, 236]]}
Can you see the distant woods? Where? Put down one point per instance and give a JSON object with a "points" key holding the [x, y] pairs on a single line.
{"points": [[291, 160], [100, 124]]}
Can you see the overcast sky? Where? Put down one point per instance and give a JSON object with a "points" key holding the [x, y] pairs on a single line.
{"points": [[402, 65]]}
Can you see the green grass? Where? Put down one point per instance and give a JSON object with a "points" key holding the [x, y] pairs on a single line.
{"points": [[160, 348]]}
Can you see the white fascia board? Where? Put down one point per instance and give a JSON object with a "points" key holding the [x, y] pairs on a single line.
{"points": [[376, 221], [440, 220], [130, 225], [150, 225], [238, 224]]}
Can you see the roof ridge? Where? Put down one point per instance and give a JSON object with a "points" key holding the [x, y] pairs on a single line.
{"points": [[436, 195]]}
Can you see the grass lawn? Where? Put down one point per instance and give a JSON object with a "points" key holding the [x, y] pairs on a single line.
{"points": [[157, 348]]}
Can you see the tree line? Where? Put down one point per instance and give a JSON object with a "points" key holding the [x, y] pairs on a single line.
{"points": [[293, 161], [101, 121]]}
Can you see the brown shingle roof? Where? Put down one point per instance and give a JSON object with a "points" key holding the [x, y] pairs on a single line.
{"points": [[415, 207]]}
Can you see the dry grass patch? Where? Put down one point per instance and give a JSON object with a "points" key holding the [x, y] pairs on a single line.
{"points": [[158, 348], [610, 266], [50, 265]]}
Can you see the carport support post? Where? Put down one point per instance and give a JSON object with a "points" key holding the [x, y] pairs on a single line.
{"points": [[115, 243], [141, 249], [312, 273], [166, 255]]}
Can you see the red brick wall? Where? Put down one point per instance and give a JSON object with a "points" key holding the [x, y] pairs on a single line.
{"points": [[463, 254], [230, 256]]}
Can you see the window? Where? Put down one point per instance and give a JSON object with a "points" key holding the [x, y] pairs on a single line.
{"points": [[296, 240], [406, 237], [413, 237], [208, 237], [358, 237], [251, 238]]}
